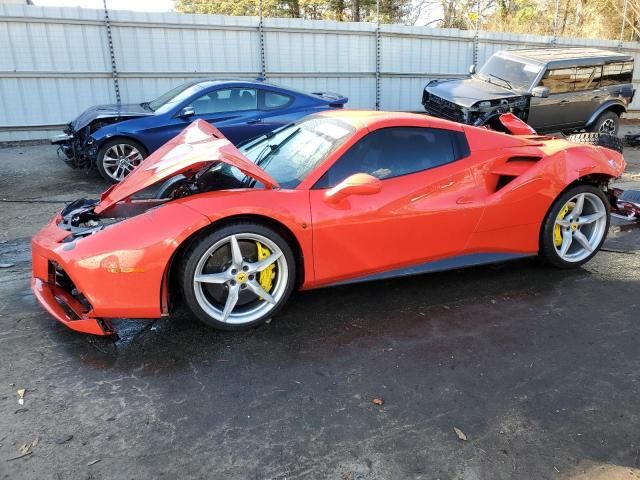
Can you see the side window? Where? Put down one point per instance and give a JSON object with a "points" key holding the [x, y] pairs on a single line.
{"points": [[226, 100], [616, 73], [559, 80], [391, 152], [273, 100], [585, 78]]}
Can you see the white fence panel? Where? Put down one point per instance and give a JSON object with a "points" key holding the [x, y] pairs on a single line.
{"points": [[55, 62]]}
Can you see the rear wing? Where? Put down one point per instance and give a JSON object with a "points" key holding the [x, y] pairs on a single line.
{"points": [[335, 99]]}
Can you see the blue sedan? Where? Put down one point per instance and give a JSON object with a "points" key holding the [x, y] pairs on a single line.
{"points": [[116, 138]]}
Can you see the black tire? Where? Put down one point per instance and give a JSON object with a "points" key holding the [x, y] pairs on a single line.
{"points": [[106, 146], [598, 139], [608, 122], [548, 252], [200, 247]]}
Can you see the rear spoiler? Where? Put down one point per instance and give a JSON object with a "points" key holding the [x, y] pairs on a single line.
{"points": [[335, 99]]}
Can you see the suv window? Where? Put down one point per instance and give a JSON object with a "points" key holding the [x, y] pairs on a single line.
{"points": [[395, 151], [559, 80], [615, 73], [586, 78], [226, 100]]}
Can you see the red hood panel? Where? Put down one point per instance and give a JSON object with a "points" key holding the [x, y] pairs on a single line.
{"points": [[196, 146]]}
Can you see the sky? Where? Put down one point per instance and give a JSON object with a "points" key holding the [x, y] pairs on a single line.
{"points": [[138, 5]]}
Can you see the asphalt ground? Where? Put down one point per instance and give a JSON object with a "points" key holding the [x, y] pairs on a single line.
{"points": [[538, 368]]}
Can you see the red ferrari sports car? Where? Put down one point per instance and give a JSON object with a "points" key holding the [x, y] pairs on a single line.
{"points": [[233, 231]]}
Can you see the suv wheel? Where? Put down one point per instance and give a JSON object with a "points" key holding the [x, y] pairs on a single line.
{"points": [[599, 139], [606, 123]]}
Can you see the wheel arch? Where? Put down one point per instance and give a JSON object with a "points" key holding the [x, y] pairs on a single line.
{"points": [[123, 136], [611, 106], [168, 287]]}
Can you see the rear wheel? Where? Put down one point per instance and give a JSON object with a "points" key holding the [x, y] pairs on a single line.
{"points": [[607, 122], [238, 276], [575, 227], [117, 158]]}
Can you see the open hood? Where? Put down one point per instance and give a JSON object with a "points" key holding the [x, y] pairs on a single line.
{"points": [[197, 146]]}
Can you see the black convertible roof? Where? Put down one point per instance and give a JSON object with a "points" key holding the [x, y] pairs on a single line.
{"points": [[567, 56]]}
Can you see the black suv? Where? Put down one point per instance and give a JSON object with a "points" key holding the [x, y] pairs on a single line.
{"points": [[552, 89]]}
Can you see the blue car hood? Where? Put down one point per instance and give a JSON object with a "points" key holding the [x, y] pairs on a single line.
{"points": [[120, 112]]}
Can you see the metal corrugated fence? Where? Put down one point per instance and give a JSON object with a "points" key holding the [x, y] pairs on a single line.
{"points": [[55, 62]]}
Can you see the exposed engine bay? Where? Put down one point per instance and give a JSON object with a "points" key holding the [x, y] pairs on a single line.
{"points": [[80, 219]]}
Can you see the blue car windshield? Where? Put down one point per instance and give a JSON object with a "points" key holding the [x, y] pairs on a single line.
{"points": [[174, 96], [292, 152]]}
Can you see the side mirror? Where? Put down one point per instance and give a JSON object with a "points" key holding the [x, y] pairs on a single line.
{"points": [[541, 92], [186, 112], [356, 184], [472, 69]]}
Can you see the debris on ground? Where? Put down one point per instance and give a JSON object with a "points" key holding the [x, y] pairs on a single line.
{"points": [[63, 439], [21, 392], [460, 434], [93, 462], [6, 265], [377, 401]]}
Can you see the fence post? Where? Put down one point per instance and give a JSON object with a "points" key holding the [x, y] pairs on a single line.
{"points": [[377, 54], [114, 69], [476, 38], [624, 20], [263, 60]]}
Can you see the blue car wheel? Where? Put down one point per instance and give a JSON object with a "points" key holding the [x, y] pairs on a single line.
{"points": [[118, 157]]}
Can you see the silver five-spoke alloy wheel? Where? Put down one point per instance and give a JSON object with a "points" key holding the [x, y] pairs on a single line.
{"points": [[580, 227], [120, 159], [243, 299]]}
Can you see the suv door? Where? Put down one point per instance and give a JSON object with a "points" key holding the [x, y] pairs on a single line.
{"points": [[427, 209], [556, 112]]}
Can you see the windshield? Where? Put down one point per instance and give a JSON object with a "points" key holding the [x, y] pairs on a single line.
{"points": [[291, 153], [509, 73], [173, 96]]}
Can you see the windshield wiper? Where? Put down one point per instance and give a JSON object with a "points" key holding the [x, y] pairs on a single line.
{"points": [[146, 106], [503, 80], [267, 151]]}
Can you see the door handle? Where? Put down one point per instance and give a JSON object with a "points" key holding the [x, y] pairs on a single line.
{"points": [[254, 121]]}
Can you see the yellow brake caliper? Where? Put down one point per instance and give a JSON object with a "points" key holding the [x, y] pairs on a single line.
{"points": [[557, 231], [267, 275]]}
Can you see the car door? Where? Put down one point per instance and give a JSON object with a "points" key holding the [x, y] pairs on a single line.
{"points": [[426, 210], [556, 112], [234, 111]]}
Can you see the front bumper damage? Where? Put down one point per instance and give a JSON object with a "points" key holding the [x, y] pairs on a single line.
{"points": [[76, 148]]}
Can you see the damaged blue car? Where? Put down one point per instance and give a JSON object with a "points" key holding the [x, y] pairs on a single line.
{"points": [[116, 138]]}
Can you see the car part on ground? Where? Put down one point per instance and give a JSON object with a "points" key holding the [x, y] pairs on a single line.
{"points": [[242, 109], [291, 208], [625, 203], [600, 139], [552, 89]]}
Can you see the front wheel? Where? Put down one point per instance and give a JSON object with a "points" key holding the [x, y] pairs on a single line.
{"points": [[117, 158], [575, 227], [238, 276]]}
